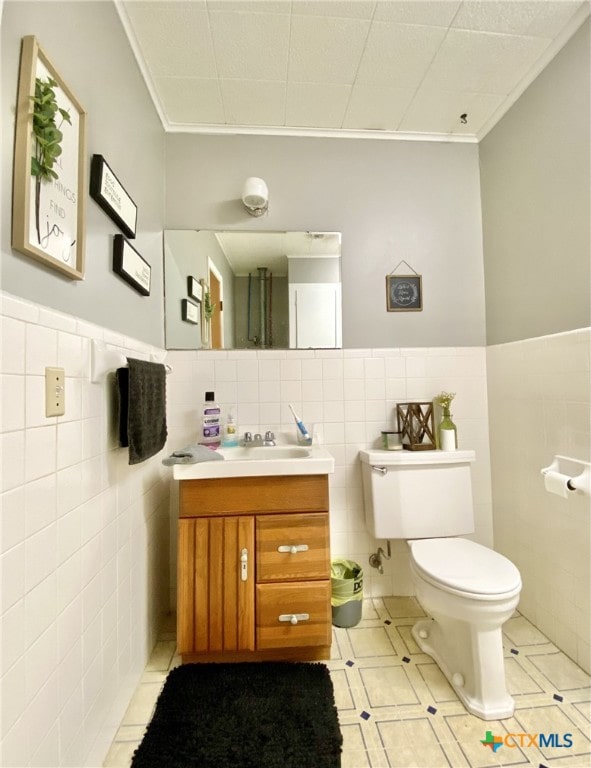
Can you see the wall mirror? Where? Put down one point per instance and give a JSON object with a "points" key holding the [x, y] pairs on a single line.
{"points": [[252, 290]]}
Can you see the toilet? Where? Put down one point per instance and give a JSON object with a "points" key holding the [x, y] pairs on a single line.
{"points": [[467, 590]]}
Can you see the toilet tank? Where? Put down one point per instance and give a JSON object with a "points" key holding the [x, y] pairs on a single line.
{"points": [[417, 494]]}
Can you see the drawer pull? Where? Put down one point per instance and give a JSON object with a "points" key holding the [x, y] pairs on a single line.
{"points": [[293, 548], [244, 564], [293, 618]]}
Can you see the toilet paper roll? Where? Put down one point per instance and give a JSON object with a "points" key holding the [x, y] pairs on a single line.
{"points": [[555, 482]]}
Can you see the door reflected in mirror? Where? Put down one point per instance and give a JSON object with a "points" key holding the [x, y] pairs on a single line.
{"points": [[261, 290]]}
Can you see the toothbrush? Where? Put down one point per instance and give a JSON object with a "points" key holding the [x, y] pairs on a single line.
{"points": [[300, 423]]}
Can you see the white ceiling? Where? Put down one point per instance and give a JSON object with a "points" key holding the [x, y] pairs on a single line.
{"points": [[245, 251], [390, 68]]}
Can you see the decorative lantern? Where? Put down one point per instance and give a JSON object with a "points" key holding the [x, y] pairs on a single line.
{"points": [[417, 426]]}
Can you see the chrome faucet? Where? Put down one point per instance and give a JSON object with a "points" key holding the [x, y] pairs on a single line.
{"points": [[257, 441], [269, 438]]}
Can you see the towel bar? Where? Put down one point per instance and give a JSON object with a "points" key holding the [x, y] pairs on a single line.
{"points": [[106, 358]]}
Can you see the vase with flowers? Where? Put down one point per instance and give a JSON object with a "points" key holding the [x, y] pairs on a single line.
{"points": [[447, 432]]}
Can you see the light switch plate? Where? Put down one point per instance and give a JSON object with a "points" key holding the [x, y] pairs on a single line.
{"points": [[55, 392]]}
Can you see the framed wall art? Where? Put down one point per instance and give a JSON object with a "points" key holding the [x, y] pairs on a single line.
{"points": [[404, 293], [194, 288], [49, 180], [108, 192], [189, 312], [129, 265]]}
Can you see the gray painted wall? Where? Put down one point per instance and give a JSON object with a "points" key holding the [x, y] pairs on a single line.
{"points": [[391, 200], [186, 254], [535, 176], [87, 45]]}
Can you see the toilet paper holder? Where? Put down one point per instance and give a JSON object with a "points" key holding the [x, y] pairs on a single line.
{"points": [[567, 467]]}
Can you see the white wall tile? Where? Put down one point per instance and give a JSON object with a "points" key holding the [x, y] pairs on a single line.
{"points": [[12, 565], [12, 520], [40, 503], [40, 609], [41, 349], [538, 393], [13, 459], [47, 484], [41, 452], [12, 402], [12, 630], [35, 403], [12, 349]]}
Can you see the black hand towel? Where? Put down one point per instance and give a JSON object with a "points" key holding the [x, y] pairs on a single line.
{"points": [[142, 408]]}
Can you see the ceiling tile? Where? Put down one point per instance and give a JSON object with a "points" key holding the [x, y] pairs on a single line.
{"points": [[482, 62], [173, 37], [190, 100], [433, 14], [316, 105], [250, 46], [398, 54], [347, 9], [253, 102], [539, 18], [325, 49], [377, 107], [250, 6], [440, 111]]}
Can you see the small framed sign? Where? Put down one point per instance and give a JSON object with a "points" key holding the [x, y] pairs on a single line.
{"points": [[194, 288], [190, 312], [128, 263], [404, 293], [109, 193]]}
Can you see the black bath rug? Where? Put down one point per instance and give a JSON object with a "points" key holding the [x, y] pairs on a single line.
{"points": [[246, 715]]}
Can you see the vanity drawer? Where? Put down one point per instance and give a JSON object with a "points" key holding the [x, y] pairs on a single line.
{"points": [[278, 603], [292, 547]]}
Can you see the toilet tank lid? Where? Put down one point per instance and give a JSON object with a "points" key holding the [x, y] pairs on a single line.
{"points": [[415, 458], [466, 566]]}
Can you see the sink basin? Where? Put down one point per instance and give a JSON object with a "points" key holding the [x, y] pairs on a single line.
{"points": [[266, 453], [260, 461]]}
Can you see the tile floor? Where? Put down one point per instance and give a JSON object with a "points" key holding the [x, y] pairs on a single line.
{"points": [[397, 710]]}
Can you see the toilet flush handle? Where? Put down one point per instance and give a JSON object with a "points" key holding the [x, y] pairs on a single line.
{"points": [[380, 470]]}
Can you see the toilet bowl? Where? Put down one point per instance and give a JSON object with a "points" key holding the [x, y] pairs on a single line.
{"points": [[469, 591]]}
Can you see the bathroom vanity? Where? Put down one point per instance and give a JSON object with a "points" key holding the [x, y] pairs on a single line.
{"points": [[253, 565]]}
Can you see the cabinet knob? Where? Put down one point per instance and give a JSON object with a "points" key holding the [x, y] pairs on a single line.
{"points": [[293, 548], [294, 618]]}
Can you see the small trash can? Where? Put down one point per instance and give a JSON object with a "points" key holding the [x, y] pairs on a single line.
{"points": [[346, 578]]}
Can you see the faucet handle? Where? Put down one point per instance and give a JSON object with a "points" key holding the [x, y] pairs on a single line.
{"points": [[247, 437], [269, 435]]}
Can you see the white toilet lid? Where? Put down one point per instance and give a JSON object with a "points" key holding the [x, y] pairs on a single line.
{"points": [[463, 565]]}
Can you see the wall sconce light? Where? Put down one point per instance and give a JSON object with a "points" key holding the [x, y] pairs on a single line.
{"points": [[255, 196]]}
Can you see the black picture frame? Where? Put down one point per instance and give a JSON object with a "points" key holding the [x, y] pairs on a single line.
{"points": [[110, 194], [194, 288], [404, 293], [131, 266], [190, 311]]}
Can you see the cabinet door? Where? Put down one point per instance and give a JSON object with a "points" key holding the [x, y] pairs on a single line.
{"points": [[215, 610]]}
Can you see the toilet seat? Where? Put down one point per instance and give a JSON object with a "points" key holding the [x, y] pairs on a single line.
{"points": [[463, 567]]}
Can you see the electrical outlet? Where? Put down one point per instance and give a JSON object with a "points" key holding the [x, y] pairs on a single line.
{"points": [[55, 392]]}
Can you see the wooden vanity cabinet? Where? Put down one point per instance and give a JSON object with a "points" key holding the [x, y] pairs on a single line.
{"points": [[254, 569]]}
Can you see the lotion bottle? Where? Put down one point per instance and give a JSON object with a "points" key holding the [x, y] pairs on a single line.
{"points": [[230, 439]]}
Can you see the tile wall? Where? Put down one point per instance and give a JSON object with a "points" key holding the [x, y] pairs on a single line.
{"points": [[349, 396], [539, 393], [83, 548]]}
